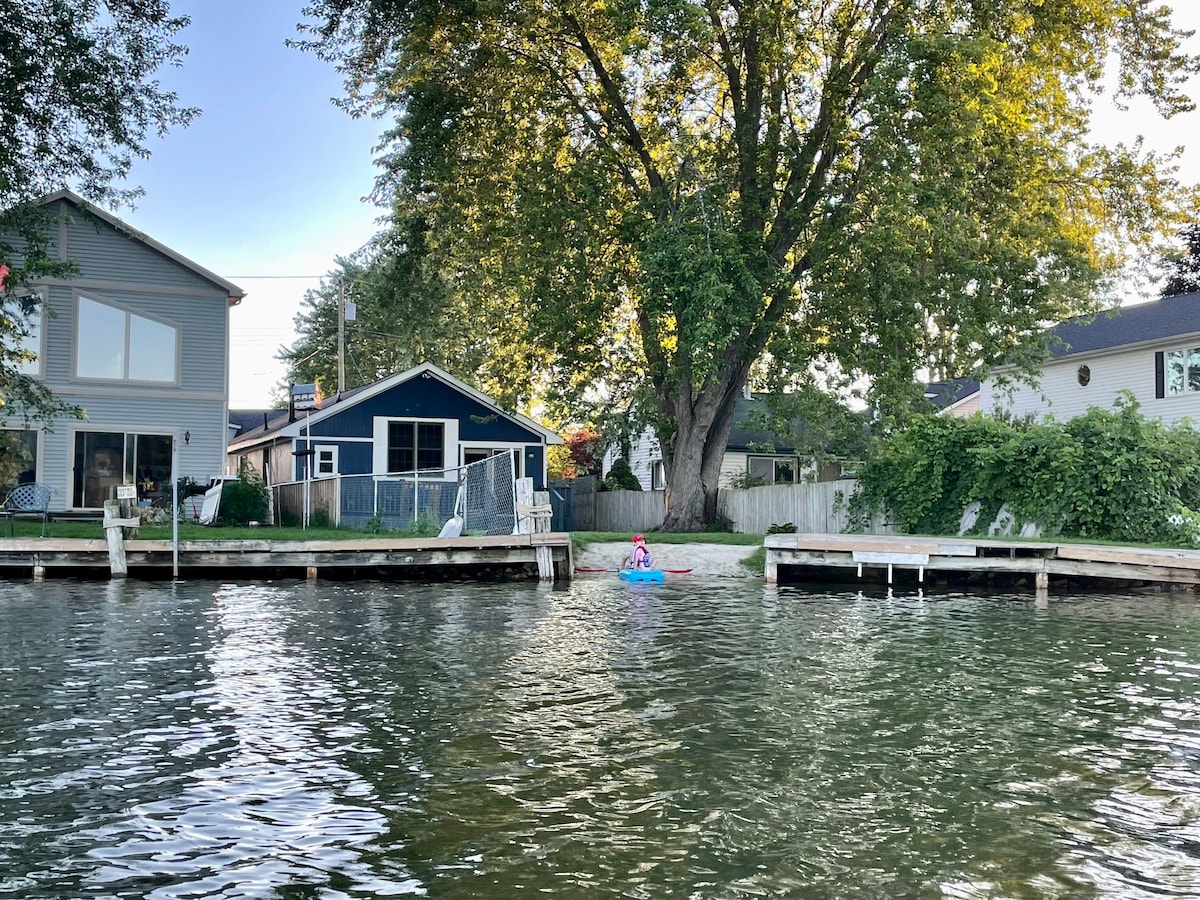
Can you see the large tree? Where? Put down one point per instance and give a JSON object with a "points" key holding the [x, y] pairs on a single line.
{"points": [[78, 104], [1181, 265], [662, 195]]}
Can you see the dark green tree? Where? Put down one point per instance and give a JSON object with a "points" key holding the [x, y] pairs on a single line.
{"points": [[1181, 267], [641, 201], [78, 104]]}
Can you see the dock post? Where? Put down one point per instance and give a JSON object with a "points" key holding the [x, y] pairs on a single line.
{"points": [[39, 571], [311, 574], [771, 569], [115, 536], [1041, 584]]}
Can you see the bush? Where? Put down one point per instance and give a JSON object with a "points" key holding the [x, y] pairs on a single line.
{"points": [[1106, 475], [620, 478], [245, 500]]}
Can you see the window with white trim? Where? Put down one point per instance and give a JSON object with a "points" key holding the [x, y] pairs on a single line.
{"points": [[25, 312], [325, 460], [114, 344], [1182, 371], [415, 445], [658, 476], [478, 454], [773, 469]]}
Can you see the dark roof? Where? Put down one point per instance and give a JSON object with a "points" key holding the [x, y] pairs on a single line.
{"points": [[278, 418], [745, 432], [946, 393], [246, 420], [1142, 322]]}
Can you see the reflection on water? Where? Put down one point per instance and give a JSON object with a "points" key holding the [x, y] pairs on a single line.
{"points": [[698, 739]]}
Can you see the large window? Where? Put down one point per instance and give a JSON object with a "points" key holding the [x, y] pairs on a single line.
{"points": [[116, 345], [26, 312], [1183, 371], [773, 469], [415, 445], [105, 459]]}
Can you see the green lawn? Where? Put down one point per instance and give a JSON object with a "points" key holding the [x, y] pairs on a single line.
{"points": [[188, 531]]}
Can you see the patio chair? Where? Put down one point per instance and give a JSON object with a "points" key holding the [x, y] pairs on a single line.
{"points": [[28, 500]]}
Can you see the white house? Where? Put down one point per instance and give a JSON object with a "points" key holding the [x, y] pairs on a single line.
{"points": [[1150, 349]]}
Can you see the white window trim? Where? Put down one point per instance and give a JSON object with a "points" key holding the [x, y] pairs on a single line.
{"points": [[494, 447], [379, 447], [40, 363], [775, 460], [128, 311], [1187, 389], [333, 453]]}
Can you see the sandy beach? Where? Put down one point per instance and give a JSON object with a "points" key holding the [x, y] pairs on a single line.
{"points": [[720, 560]]}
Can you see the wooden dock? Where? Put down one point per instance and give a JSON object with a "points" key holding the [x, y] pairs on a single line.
{"points": [[543, 556], [794, 558]]}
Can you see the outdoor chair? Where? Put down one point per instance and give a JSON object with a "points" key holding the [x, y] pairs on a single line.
{"points": [[27, 500]]}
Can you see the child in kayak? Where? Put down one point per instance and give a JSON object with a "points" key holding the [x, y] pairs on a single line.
{"points": [[640, 557]]}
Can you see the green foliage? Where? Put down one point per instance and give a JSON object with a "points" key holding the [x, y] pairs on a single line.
{"points": [[244, 500], [744, 479], [620, 478], [80, 102], [786, 528], [642, 202], [1181, 265], [1107, 475]]}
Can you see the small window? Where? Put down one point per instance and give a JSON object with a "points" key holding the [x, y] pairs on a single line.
{"points": [[773, 469], [325, 464], [658, 476], [1083, 375]]}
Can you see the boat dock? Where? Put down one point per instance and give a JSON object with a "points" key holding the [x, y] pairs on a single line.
{"points": [[796, 558], [542, 556]]}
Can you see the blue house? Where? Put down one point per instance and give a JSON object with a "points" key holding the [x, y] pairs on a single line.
{"points": [[420, 420], [139, 340]]}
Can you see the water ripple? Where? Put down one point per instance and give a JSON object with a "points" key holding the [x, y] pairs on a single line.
{"points": [[699, 740]]}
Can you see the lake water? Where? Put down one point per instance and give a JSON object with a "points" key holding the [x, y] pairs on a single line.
{"points": [[697, 740]]}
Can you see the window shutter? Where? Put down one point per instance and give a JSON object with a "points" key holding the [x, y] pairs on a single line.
{"points": [[1160, 379]]}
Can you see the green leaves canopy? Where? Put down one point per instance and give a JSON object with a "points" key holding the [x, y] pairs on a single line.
{"points": [[660, 195], [78, 102]]}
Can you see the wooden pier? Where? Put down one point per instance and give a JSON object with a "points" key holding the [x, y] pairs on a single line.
{"points": [[543, 556], [793, 558]]}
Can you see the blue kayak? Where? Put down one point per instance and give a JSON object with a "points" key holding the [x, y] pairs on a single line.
{"points": [[641, 576]]}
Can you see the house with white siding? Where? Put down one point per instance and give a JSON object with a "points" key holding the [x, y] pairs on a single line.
{"points": [[1151, 350], [139, 339]]}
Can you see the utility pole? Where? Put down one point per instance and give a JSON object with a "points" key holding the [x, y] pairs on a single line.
{"points": [[341, 335]]}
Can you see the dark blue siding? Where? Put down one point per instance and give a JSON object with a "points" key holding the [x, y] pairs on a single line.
{"points": [[426, 398]]}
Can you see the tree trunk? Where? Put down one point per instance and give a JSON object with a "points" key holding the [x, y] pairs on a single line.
{"points": [[702, 432]]}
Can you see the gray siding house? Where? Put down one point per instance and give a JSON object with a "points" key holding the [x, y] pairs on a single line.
{"points": [[140, 340]]}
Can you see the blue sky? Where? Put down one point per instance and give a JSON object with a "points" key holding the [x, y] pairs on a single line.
{"points": [[269, 181]]}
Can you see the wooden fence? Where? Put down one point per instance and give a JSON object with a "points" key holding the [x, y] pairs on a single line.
{"points": [[323, 494], [814, 508]]}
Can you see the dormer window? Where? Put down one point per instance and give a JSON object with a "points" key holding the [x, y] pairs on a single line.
{"points": [[114, 344]]}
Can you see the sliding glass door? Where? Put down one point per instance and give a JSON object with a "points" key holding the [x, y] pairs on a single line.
{"points": [[104, 459]]}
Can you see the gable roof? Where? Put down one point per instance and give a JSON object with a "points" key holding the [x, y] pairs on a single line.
{"points": [[281, 427], [944, 394], [1141, 323], [235, 293]]}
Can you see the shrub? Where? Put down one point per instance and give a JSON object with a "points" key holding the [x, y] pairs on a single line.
{"points": [[244, 500], [621, 478], [1106, 475]]}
